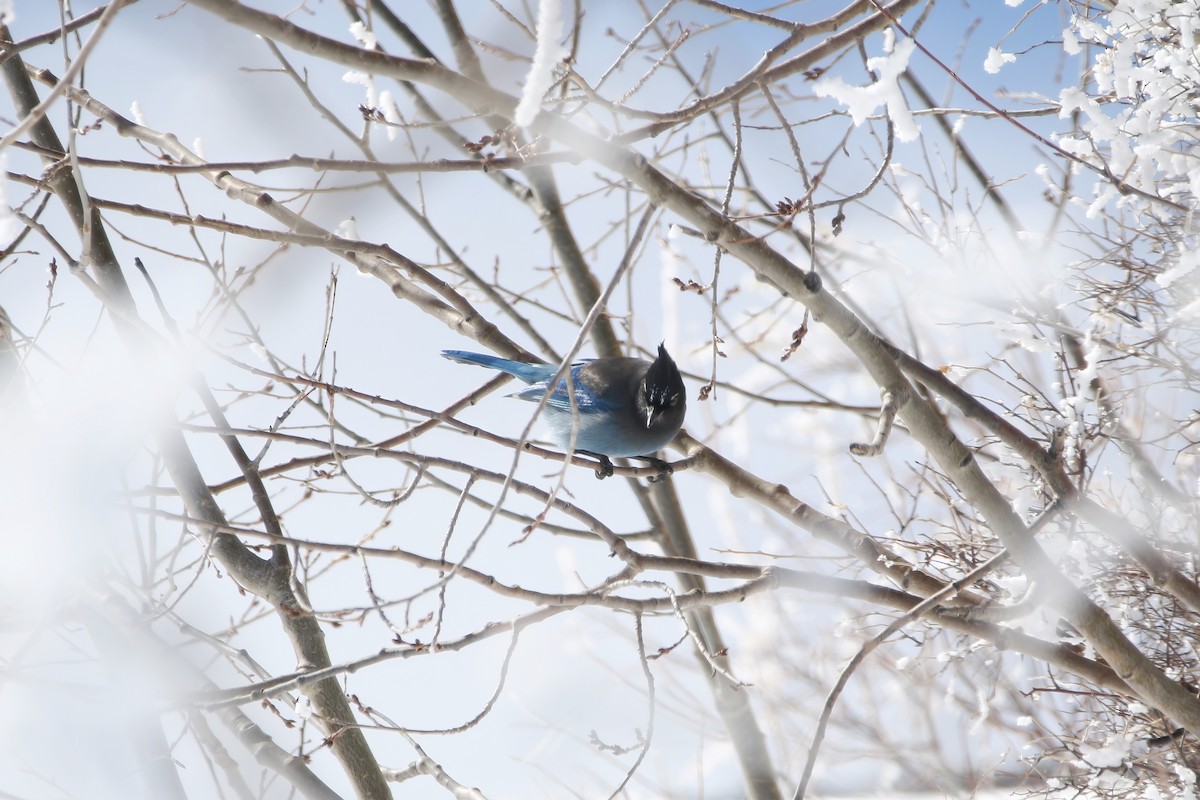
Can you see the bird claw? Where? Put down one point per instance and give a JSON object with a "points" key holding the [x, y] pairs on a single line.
{"points": [[605, 470], [665, 470]]}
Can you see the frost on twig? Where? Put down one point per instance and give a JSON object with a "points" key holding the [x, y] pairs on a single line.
{"points": [[885, 91], [548, 53]]}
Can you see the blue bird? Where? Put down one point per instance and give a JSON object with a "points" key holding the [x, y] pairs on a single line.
{"points": [[627, 407]]}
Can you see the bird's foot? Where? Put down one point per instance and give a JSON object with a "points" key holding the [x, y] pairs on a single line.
{"points": [[605, 470], [664, 469]]}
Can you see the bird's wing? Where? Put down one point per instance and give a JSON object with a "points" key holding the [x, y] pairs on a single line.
{"points": [[586, 400]]}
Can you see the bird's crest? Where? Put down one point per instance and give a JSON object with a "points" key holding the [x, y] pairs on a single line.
{"points": [[663, 385]]}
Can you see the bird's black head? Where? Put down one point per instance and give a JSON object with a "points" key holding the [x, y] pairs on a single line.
{"points": [[662, 392]]}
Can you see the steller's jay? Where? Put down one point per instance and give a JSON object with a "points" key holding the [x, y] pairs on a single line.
{"points": [[627, 407]]}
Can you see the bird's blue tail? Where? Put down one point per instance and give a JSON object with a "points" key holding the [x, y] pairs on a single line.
{"points": [[529, 373]]}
